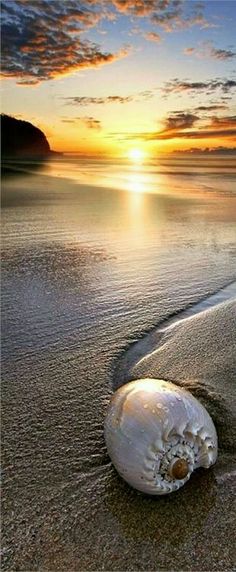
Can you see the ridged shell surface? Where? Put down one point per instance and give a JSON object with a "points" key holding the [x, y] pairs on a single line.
{"points": [[157, 434]]}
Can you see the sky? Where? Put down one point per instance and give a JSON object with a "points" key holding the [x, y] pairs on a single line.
{"points": [[122, 77]]}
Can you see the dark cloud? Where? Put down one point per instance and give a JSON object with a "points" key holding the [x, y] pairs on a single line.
{"points": [[226, 122], [219, 54], [180, 120], [213, 107], [178, 86], [41, 39], [178, 126], [89, 121], [147, 94], [177, 122], [200, 134], [84, 100], [207, 50], [193, 134]]}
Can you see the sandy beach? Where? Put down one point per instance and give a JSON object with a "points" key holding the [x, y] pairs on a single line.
{"points": [[118, 252], [88, 275]]}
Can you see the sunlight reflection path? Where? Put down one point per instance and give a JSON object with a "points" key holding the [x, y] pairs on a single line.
{"points": [[139, 181]]}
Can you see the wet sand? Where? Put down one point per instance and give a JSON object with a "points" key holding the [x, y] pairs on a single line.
{"points": [[197, 353], [192, 529], [201, 516], [86, 271]]}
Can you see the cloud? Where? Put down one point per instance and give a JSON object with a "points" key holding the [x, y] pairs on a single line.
{"points": [[168, 14], [200, 134], [143, 8], [213, 107], [219, 54], [178, 86], [175, 18], [226, 122], [177, 122], [178, 126], [189, 51], [195, 134], [41, 40], [207, 50], [180, 120], [85, 100], [153, 37], [89, 121]]}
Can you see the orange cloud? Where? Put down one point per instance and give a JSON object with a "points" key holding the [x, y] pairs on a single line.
{"points": [[168, 14], [153, 36], [37, 44], [41, 39]]}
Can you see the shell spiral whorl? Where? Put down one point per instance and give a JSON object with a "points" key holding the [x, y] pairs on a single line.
{"points": [[157, 434]]}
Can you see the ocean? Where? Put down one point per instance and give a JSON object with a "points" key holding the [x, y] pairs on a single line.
{"points": [[95, 255]]}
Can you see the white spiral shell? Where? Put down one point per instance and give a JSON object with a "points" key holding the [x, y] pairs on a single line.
{"points": [[157, 434]]}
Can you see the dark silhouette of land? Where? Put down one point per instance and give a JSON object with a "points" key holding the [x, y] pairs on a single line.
{"points": [[22, 144], [21, 140]]}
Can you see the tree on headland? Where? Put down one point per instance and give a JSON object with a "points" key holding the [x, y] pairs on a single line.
{"points": [[20, 139]]}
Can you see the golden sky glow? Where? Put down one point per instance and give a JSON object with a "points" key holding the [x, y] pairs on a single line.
{"points": [[129, 79]]}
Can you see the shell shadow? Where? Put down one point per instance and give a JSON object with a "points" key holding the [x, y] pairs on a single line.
{"points": [[170, 519]]}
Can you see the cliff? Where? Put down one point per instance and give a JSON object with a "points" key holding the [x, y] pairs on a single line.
{"points": [[20, 139]]}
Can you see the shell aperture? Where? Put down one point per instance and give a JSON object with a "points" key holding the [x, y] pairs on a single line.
{"points": [[157, 434]]}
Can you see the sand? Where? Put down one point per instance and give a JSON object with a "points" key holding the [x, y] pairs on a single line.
{"points": [[199, 354], [85, 272], [193, 529]]}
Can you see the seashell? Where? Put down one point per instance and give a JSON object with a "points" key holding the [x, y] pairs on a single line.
{"points": [[157, 434]]}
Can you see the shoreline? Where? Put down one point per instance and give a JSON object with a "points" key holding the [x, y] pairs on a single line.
{"points": [[148, 341]]}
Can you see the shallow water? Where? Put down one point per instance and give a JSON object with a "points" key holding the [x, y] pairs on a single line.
{"points": [[86, 270]]}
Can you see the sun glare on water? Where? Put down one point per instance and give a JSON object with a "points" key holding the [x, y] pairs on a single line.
{"points": [[136, 155]]}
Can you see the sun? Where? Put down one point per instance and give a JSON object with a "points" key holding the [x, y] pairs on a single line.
{"points": [[136, 155]]}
